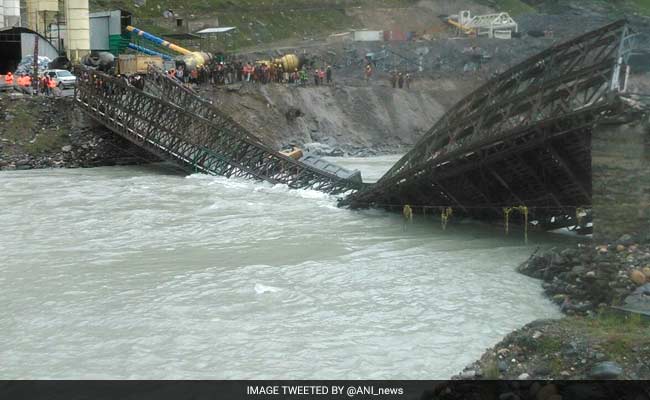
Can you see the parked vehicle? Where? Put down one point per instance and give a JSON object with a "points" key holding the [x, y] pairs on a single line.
{"points": [[63, 78]]}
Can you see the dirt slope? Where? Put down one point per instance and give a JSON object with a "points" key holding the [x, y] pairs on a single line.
{"points": [[360, 119]]}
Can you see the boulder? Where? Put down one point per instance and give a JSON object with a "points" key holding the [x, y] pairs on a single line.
{"points": [[638, 277], [606, 370], [646, 272], [469, 374]]}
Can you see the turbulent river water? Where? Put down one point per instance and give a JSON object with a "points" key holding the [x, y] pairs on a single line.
{"points": [[136, 272]]}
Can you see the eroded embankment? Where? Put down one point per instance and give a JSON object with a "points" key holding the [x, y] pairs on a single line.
{"points": [[356, 118]]}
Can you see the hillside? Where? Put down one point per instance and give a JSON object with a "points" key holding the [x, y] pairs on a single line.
{"points": [[266, 21]]}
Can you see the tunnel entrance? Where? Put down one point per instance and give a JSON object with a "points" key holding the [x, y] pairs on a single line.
{"points": [[10, 51]]}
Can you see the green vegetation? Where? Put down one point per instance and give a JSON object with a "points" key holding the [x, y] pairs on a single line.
{"points": [[31, 129], [619, 335], [641, 6], [491, 371], [513, 7], [257, 21], [46, 142], [21, 125], [154, 8]]}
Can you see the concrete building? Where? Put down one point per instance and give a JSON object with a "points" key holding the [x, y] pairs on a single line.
{"points": [[9, 13], [77, 21]]}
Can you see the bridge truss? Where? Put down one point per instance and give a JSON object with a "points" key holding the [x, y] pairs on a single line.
{"points": [[178, 126], [522, 139]]}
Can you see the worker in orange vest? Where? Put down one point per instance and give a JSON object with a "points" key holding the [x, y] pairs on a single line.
{"points": [[9, 79], [25, 81], [51, 83], [46, 85]]}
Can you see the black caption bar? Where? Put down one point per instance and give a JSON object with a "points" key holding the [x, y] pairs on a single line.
{"points": [[323, 390]]}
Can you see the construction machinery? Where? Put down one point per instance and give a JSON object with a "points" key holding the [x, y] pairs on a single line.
{"points": [[289, 62], [130, 64], [149, 52], [191, 59], [100, 60]]}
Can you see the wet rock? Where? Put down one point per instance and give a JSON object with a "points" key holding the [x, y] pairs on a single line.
{"points": [[606, 370], [468, 374]]}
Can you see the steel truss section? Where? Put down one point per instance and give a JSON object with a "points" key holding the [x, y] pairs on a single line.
{"points": [[194, 142], [523, 138], [162, 86]]}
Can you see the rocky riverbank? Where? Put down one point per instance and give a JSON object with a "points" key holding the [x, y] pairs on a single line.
{"points": [[41, 132], [596, 340]]}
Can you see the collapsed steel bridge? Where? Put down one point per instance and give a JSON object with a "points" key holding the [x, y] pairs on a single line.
{"points": [[172, 122], [521, 140]]}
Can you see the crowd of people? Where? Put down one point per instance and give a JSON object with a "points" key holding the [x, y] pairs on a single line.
{"points": [[224, 73]]}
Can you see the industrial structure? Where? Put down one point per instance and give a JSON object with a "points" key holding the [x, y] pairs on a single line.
{"points": [[490, 25], [190, 59], [44, 17], [9, 13]]}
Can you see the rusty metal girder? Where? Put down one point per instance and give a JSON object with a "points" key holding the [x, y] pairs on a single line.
{"points": [[198, 144]]}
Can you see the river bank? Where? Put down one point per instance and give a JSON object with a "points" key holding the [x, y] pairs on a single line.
{"points": [[595, 340], [49, 132]]}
